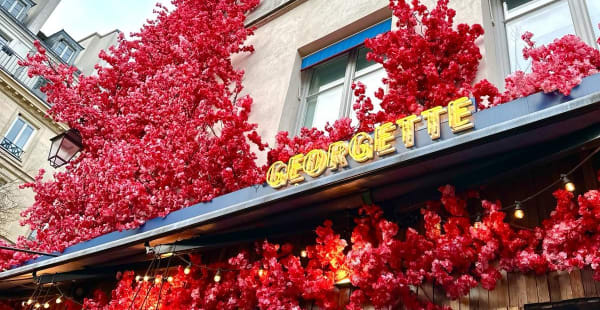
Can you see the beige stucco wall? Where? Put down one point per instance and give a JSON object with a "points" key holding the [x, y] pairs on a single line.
{"points": [[15, 101], [93, 44], [273, 70]]}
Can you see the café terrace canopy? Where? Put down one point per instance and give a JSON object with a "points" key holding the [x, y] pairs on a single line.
{"points": [[526, 131]]}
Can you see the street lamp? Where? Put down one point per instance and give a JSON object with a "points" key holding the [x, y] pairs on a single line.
{"points": [[64, 147]]}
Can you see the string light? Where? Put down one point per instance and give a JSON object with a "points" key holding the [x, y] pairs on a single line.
{"points": [[59, 299], [29, 301], [23, 303], [519, 213], [217, 277], [46, 305], [303, 254], [477, 224], [146, 278], [157, 280], [187, 269], [170, 279], [137, 278], [261, 272], [37, 305], [569, 186]]}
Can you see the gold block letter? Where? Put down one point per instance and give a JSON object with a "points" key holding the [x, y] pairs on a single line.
{"points": [[315, 162], [361, 147], [408, 129], [384, 135], [337, 155], [459, 114], [294, 168], [433, 121], [276, 175]]}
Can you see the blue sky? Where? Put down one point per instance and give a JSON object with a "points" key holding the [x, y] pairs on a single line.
{"points": [[82, 17]]}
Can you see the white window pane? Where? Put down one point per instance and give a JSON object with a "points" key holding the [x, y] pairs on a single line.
{"points": [[60, 47], [323, 108], [24, 137], [16, 9], [547, 23], [594, 10], [373, 81], [7, 4], [66, 56], [15, 129]]}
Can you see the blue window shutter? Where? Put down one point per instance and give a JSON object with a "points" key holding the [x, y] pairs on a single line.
{"points": [[346, 44]]}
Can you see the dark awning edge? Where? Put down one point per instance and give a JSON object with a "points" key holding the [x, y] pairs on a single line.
{"points": [[511, 116]]}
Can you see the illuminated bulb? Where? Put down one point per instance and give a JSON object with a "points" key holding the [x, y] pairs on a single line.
{"points": [[187, 270], [138, 278], [519, 213], [29, 301], [261, 272], [303, 254], [477, 224], [146, 278], [59, 300], [37, 305], [170, 279], [157, 280], [23, 303], [217, 277], [569, 186], [46, 305]]}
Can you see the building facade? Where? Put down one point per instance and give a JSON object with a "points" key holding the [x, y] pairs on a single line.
{"points": [[24, 128], [301, 77]]}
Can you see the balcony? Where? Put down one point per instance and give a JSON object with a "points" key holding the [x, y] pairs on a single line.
{"points": [[11, 148], [9, 62]]}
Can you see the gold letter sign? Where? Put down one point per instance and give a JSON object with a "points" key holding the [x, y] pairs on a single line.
{"points": [[363, 147]]}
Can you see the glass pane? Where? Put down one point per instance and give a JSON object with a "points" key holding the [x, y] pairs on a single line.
{"points": [[323, 108], [7, 3], [24, 136], [594, 9], [14, 130], [60, 46], [511, 4], [361, 61], [537, 22], [67, 150], [328, 74], [67, 54], [16, 10], [373, 81]]}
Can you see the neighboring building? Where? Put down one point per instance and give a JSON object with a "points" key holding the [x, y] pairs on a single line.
{"points": [[93, 44], [308, 52], [25, 132]]}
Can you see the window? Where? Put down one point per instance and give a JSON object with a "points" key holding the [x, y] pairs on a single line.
{"points": [[328, 94], [63, 50], [16, 8], [17, 137], [547, 20]]}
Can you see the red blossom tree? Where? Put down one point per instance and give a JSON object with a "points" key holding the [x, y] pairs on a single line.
{"points": [[163, 124]]}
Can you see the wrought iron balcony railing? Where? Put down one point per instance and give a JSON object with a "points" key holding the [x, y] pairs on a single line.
{"points": [[11, 148], [9, 62]]}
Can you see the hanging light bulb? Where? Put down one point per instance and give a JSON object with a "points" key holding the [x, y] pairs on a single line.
{"points": [[477, 224], [157, 280], [519, 213], [187, 269], [261, 272], [569, 186], [170, 279], [138, 278], [303, 254], [46, 305], [59, 299], [37, 305], [23, 303], [146, 278], [29, 301], [217, 277]]}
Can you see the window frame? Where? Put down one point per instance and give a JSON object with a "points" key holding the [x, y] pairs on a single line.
{"points": [[499, 16], [34, 130], [62, 53], [350, 75], [13, 5]]}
